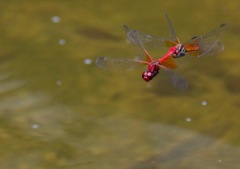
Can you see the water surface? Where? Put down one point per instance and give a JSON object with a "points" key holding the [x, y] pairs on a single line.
{"points": [[58, 110]]}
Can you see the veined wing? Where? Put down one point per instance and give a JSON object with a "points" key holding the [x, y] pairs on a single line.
{"points": [[178, 81], [208, 44], [127, 64], [173, 35], [148, 41], [130, 34], [112, 63]]}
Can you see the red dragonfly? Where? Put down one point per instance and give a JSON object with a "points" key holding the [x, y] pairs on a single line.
{"points": [[208, 44], [153, 66]]}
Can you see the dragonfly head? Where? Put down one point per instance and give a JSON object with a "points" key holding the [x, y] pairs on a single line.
{"points": [[147, 76], [150, 73], [179, 51]]}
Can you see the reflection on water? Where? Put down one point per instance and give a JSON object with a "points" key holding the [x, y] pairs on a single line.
{"points": [[95, 33], [58, 110]]}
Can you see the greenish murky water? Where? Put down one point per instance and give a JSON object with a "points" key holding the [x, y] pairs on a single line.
{"points": [[58, 110]]}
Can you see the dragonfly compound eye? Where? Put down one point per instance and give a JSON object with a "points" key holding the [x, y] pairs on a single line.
{"points": [[146, 76]]}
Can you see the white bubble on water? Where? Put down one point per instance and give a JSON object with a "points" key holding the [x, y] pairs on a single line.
{"points": [[188, 119], [61, 42], [204, 103], [148, 85], [58, 82], [87, 61], [35, 126], [56, 19]]}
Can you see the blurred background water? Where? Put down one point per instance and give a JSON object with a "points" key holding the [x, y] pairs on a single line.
{"points": [[58, 110]]}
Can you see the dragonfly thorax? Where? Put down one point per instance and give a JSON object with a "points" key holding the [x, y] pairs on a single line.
{"points": [[179, 51], [151, 71]]}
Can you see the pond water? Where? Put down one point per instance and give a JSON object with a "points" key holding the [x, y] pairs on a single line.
{"points": [[58, 110]]}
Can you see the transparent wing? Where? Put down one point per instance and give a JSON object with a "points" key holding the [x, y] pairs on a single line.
{"points": [[114, 64], [173, 35], [208, 44], [127, 64], [117, 64], [178, 81], [148, 41]]}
